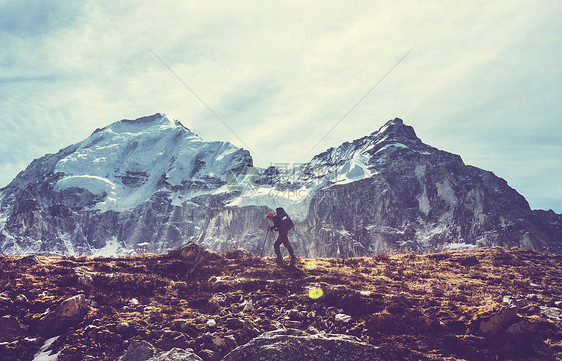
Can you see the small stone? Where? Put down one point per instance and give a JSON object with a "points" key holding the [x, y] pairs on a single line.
{"points": [[21, 298], [219, 342], [115, 338], [294, 315], [211, 323], [293, 324], [181, 341], [249, 327], [218, 298], [231, 342], [84, 278], [177, 322], [342, 318], [133, 302], [5, 299], [331, 311], [122, 327], [210, 355], [510, 300], [247, 306], [312, 330], [474, 341], [234, 323]]}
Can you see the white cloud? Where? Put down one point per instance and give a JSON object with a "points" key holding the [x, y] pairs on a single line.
{"points": [[281, 74]]}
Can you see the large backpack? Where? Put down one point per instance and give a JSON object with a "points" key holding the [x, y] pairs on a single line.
{"points": [[285, 219], [287, 223]]}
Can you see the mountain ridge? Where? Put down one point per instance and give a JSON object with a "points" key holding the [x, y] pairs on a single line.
{"points": [[152, 182]]}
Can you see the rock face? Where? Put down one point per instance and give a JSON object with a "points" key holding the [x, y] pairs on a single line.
{"points": [[296, 345], [69, 312], [150, 184]]}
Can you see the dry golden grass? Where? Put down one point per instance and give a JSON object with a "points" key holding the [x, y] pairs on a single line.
{"points": [[414, 307]]}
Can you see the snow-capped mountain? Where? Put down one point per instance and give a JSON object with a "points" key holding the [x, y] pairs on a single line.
{"points": [[89, 196], [152, 184]]}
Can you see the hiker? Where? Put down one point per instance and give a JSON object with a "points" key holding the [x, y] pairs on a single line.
{"points": [[281, 223]]}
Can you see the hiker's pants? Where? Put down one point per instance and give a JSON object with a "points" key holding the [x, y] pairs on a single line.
{"points": [[283, 238]]}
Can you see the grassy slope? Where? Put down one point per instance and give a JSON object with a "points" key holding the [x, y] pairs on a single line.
{"points": [[418, 307]]}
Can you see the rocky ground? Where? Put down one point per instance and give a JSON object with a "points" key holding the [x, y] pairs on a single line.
{"points": [[482, 304]]}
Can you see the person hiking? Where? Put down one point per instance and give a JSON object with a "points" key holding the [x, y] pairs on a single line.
{"points": [[283, 226]]}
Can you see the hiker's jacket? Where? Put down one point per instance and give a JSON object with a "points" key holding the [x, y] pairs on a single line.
{"points": [[278, 223]]}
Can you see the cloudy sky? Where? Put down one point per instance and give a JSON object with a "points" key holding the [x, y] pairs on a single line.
{"points": [[484, 78]]}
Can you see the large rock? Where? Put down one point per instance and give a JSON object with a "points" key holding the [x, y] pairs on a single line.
{"points": [[502, 319], [70, 312], [139, 351], [144, 351], [176, 354], [296, 345], [11, 329]]}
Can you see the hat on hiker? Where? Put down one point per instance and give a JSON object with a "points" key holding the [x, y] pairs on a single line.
{"points": [[269, 215]]}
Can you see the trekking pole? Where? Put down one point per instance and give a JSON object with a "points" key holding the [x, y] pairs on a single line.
{"points": [[265, 240]]}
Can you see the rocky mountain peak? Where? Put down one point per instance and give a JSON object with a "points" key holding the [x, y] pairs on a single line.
{"points": [[396, 130], [152, 123], [393, 135]]}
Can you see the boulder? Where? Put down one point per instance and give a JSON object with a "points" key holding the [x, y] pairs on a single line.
{"points": [[176, 354], [11, 329], [297, 345], [144, 351], [70, 312], [342, 318], [502, 319], [139, 351]]}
